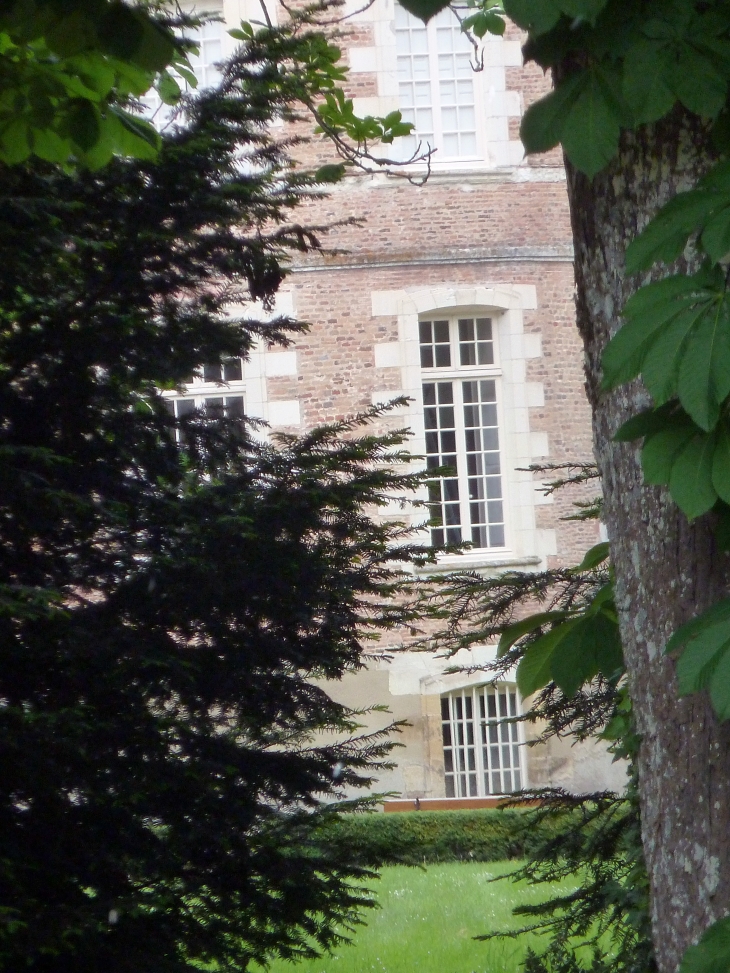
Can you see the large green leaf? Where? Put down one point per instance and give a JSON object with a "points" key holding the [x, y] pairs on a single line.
{"points": [[647, 312], [533, 671], [535, 16], [591, 128], [697, 662], [647, 80], [712, 953], [662, 448], [703, 381], [424, 9], [719, 612], [690, 480], [721, 463], [720, 682], [513, 633], [660, 367], [665, 236], [542, 124], [591, 646], [700, 85]]}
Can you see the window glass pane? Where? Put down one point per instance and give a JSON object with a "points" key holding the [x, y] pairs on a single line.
{"points": [[212, 373], [232, 370]]}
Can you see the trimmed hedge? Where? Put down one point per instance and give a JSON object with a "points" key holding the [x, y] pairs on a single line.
{"points": [[418, 837]]}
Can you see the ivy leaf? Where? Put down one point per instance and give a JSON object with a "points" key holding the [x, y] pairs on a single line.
{"points": [[591, 128], [712, 953]]}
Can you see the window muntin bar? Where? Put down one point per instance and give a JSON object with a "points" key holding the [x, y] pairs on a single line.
{"points": [[481, 743], [462, 432]]}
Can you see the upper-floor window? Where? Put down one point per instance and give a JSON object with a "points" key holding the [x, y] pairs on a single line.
{"points": [[204, 64], [436, 87], [215, 390], [461, 417], [481, 740]]}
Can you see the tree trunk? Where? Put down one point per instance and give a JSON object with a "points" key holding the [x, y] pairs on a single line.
{"points": [[666, 569]]}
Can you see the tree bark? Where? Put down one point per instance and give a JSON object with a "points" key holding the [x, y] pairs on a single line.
{"points": [[667, 570]]}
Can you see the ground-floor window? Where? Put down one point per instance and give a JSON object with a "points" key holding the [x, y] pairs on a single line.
{"points": [[482, 752]]}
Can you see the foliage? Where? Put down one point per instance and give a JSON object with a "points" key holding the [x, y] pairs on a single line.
{"points": [[173, 588], [69, 66], [424, 837], [575, 672], [618, 67]]}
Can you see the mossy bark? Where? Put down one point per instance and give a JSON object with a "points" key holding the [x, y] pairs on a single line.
{"points": [[667, 570]]}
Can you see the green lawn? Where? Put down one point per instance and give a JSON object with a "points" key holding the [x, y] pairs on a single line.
{"points": [[426, 923]]}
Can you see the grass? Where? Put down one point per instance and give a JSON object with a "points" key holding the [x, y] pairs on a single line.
{"points": [[427, 922]]}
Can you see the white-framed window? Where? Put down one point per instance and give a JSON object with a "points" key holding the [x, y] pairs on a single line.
{"points": [[204, 65], [481, 741], [215, 390], [437, 88], [460, 387]]}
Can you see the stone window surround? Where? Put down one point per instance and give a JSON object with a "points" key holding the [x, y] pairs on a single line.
{"points": [[527, 545]]}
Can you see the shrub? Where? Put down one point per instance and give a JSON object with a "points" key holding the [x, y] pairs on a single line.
{"points": [[418, 837]]}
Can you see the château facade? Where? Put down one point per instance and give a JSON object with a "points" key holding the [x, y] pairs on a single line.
{"points": [[457, 294]]}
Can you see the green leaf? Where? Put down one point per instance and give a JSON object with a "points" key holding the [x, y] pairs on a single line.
{"points": [[660, 368], [591, 129], [591, 646], [712, 953], [169, 90], [647, 77], [645, 423], [721, 464], [719, 612], [661, 449], [690, 481], [424, 9], [720, 683], [595, 556], [513, 633], [15, 142], [542, 124], [83, 124], [697, 662], [533, 671], [704, 373], [665, 236], [646, 313], [330, 173], [715, 239], [700, 87], [535, 16], [582, 9]]}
